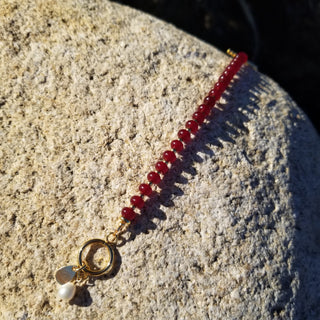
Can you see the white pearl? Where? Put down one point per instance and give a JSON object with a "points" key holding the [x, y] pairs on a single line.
{"points": [[67, 291]]}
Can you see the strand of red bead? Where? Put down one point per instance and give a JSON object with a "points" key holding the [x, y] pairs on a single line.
{"points": [[184, 136]]}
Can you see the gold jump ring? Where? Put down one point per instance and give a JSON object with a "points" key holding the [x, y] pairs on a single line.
{"points": [[103, 270]]}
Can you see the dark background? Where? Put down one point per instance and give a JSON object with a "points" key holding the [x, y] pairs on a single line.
{"points": [[281, 37]]}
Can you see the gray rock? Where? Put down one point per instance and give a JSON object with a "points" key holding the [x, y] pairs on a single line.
{"points": [[92, 93]]}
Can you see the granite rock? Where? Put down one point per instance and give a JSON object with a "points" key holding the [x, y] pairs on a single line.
{"points": [[92, 93]]}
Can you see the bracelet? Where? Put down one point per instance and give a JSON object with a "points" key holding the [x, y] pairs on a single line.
{"points": [[69, 277]]}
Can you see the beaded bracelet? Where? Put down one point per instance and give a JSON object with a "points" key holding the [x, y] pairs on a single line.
{"points": [[70, 276]]}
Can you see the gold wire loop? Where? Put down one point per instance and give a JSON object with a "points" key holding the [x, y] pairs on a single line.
{"points": [[112, 238], [123, 225], [80, 268]]}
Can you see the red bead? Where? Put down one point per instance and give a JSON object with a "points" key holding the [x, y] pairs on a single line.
{"points": [[228, 69], [169, 156], [145, 189], [205, 109], [184, 135], [228, 72], [219, 87], [233, 72], [235, 64], [243, 57], [214, 93], [177, 145], [161, 167], [192, 126], [198, 116], [209, 100], [224, 80], [137, 202], [154, 177], [128, 213]]}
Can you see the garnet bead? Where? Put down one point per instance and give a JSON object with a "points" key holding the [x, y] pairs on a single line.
{"points": [[128, 213], [137, 202], [205, 109], [228, 73], [192, 126], [215, 93], [145, 189], [169, 156], [198, 116], [161, 167], [184, 135], [154, 177], [177, 145], [243, 57], [219, 88], [235, 64], [224, 80], [209, 100]]}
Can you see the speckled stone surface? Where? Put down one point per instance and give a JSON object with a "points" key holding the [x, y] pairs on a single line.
{"points": [[91, 95]]}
